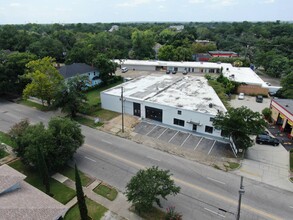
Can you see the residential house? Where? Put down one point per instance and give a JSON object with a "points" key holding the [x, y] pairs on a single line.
{"points": [[20, 200], [220, 53], [81, 69]]}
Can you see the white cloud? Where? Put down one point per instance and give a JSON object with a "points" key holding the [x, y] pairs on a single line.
{"points": [[196, 1], [14, 4], [63, 9], [269, 1], [225, 2], [133, 3]]}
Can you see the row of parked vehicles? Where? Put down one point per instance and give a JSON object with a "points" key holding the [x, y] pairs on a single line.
{"points": [[174, 72]]}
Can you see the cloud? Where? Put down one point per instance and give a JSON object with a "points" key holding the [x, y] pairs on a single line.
{"points": [[225, 2], [196, 1], [14, 4], [63, 9], [133, 3], [269, 1]]}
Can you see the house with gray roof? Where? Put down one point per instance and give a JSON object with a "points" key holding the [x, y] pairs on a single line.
{"points": [[20, 200], [81, 69]]}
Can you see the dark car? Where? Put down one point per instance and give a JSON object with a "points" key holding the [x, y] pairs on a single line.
{"points": [[168, 72], [267, 139], [174, 72], [259, 98], [185, 72]]}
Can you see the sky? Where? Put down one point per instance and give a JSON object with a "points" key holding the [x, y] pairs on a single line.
{"points": [[108, 11]]}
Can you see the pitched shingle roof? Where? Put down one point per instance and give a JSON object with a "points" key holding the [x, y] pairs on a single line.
{"points": [[26, 202], [74, 69]]}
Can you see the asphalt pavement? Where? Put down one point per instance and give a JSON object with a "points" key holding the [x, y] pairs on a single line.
{"points": [[206, 193]]}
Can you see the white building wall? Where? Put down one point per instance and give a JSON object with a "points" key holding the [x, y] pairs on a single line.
{"points": [[113, 103], [139, 67]]}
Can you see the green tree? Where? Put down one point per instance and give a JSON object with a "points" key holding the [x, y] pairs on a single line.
{"points": [[105, 66], [80, 197], [201, 48], [43, 170], [147, 186], [142, 44], [70, 96], [45, 79], [287, 84], [58, 142], [239, 124], [166, 52]]}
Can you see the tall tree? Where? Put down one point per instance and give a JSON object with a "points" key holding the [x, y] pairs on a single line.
{"points": [[105, 66], [70, 96], [58, 142], [239, 124], [80, 196], [43, 170], [287, 84], [142, 44], [147, 186], [45, 79]]}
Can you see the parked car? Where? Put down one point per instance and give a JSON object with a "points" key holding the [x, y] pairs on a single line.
{"points": [[168, 72], [185, 72], [259, 98], [241, 96], [174, 71], [267, 139], [124, 69]]}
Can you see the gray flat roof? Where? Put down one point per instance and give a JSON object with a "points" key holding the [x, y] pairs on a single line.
{"points": [[185, 92], [286, 104]]}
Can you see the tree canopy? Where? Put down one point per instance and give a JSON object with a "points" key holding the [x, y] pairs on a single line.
{"points": [[148, 186], [45, 79], [239, 124], [57, 143]]}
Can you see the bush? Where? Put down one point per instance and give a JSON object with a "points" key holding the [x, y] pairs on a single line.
{"points": [[267, 113], [172, 214]]}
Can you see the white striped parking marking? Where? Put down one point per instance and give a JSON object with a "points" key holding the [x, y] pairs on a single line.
{"points": [[215, 212], [211, 148], [198, 143]]}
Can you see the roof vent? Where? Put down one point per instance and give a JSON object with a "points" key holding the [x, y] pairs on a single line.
{"points": [[211, 105]]}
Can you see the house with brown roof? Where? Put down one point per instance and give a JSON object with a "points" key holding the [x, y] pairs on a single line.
{"points": [[20, 200]]}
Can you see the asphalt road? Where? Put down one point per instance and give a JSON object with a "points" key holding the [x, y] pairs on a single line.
{"points": [[206, 193]]}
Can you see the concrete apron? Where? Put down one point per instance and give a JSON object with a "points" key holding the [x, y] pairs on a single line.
{"points": [[267, 164]]}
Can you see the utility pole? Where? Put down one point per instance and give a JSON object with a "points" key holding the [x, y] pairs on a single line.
{"points": [[122, 108], [241, 192]]}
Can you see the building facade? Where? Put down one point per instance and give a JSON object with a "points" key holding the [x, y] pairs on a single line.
{"points": [[185, 102], [282, 115]]}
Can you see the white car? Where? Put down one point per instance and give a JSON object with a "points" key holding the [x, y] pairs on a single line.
{"points": [[124, 69], [241, 96]]}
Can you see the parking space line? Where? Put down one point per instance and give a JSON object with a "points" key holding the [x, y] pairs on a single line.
{"points": [[198, 143], [214, 212], [185, 140], [151, 130], [173, 137], [212, 147], [162, 133]]}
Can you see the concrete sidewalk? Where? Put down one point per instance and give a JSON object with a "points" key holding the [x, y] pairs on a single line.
{"points": [[267, 164], [119, 208]]}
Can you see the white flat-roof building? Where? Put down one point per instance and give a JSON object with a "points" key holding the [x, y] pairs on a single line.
{"points": [[187, 102]]}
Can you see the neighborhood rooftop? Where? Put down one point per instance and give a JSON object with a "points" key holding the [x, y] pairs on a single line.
{"points": [[74, 69], [186, 92], [19, 200]]}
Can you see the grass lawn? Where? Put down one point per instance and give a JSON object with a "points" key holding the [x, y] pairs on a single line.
{"points": [[106, 191], [35, 105], [3, 153], [95, 211], [61, 192], [233, 165], [153, 214], [87, 121], [5, 138], [94, 102], [70, 173]]}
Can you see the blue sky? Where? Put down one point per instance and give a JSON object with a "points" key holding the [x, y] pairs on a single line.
{"points": [[91, 11]]}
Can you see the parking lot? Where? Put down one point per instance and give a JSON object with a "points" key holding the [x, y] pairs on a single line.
{"points": [[184, 140]]}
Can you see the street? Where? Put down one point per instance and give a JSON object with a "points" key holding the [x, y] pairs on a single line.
{"points": [[206, 193]]}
